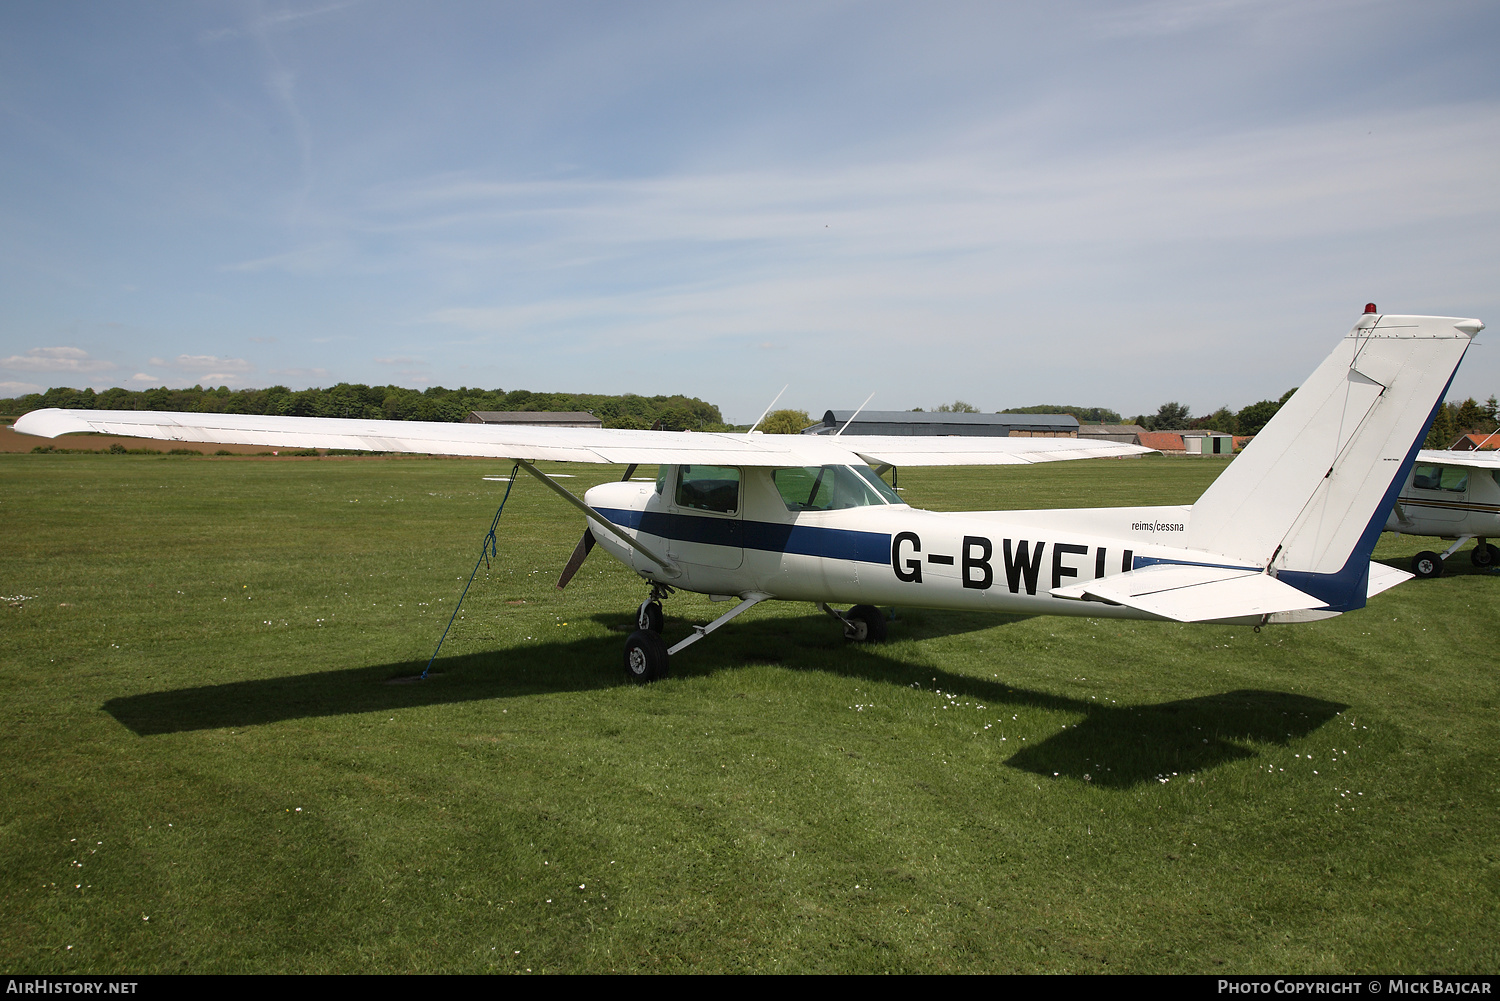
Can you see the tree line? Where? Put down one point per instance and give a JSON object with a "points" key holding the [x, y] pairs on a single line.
{"points": [[356, 400]]}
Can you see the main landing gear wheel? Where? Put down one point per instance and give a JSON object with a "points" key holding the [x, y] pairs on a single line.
{"points": [[1486, 554], [645, 657], [865, 624], [649, 616], [1427, 565]]}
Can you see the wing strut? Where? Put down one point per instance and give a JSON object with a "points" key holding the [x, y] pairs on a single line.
{"points": [[671, 569], [752, 599]]}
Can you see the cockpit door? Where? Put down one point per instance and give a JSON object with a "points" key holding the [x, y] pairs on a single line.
{"points": [[705, 525]]}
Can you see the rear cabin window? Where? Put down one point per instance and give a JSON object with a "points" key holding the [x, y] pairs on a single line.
{"points": [[832, 488], [709, 488], [1441, 478]]}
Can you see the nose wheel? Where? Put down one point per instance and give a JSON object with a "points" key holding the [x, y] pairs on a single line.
{"points": [[649, 616]]}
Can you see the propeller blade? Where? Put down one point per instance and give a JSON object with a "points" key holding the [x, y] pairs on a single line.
{"points": [[580, 553]]}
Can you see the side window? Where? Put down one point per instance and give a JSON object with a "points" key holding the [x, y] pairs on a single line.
{"points": [[1455, 479], [831, 488], [661, 480], [1426, 477], [709, 488]]}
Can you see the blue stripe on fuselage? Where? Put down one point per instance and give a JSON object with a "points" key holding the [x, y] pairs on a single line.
{"points": [[802, 540]]}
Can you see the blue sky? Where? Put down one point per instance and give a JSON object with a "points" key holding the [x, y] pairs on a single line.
{"points": [[1110, 204]]}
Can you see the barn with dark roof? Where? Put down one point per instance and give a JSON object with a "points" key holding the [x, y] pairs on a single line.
{"points": [[920, 422]]}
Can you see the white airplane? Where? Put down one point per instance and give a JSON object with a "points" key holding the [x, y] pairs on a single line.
{"points": [[1284, 534], [1451, 495]]}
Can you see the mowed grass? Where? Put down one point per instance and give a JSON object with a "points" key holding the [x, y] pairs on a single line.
{"points": [[209, 769]]}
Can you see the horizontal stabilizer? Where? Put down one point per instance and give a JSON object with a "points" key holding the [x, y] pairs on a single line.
{"points": [[1383, 577], [1191, 593]]}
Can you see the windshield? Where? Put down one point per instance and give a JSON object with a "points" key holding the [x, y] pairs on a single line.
{"points": [[832, 488]]}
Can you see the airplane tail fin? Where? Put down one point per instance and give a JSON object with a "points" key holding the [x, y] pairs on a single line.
{"points": [[1309, 496]]}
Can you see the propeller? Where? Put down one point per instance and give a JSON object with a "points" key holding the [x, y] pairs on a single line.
{"points": [[585, 544]]}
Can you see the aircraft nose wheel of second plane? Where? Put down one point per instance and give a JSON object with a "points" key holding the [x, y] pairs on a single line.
{"points": [[1427, 564], [1484, 555]]}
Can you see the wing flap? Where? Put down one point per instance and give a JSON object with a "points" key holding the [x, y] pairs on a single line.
{"points": [[1191, 593], [923, 450]]}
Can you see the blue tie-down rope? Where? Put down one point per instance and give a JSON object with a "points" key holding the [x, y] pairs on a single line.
{"points": [[486, 549]]}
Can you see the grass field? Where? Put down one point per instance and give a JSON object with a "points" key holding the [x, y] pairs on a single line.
{"points": [[208, 768]]}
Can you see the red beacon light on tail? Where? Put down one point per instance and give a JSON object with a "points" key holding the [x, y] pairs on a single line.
{"points": [[1370, 308]]}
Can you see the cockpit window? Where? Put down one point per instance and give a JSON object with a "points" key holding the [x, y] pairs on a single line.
{"points": [[832, 488], [709, 488], [1441, 478]]}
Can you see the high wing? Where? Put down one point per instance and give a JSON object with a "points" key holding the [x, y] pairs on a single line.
{"points": [[603, 445], [1468, 460]]}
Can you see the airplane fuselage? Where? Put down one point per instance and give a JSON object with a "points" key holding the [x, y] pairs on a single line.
{"points": [[888, 553], [1447, 501]]}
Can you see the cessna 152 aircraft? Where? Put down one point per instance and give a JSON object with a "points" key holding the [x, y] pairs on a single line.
{"points": [[1452, 495], [1284, 534]]}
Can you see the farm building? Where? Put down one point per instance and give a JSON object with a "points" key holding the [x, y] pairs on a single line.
{"points": [[1208, 443], [1127, 434], [1188, 442], [919, 422], [539, 418], [1473, 442]]}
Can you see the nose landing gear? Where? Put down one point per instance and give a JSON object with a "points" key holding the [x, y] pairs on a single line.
{"points": [[647, 654]]}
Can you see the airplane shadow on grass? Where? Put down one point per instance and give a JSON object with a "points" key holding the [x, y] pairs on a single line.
{"points": [[1111, 746]]}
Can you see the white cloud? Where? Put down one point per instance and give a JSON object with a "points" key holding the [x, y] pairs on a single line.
{"points": [[19, 388], [56, 359], [299, 373], [231, 365], [143, 377]]}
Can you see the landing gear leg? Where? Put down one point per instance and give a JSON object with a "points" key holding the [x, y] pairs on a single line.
{"points": [[1484, 554], [647, 654], [649, 615]]}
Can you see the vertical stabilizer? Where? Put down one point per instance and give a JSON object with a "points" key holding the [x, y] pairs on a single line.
{"points": [[1307, 498]]}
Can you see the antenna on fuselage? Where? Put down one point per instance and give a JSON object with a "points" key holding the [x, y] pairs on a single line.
{"points": [[766, 411], [853, 415]]}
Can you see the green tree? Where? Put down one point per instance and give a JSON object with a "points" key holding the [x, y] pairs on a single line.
{"points": [[957, 407], [1220, 420], [1251, 419], [1470, 416], [1443, 430], [1085, 415], [1171, 416], [786, 422]]}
